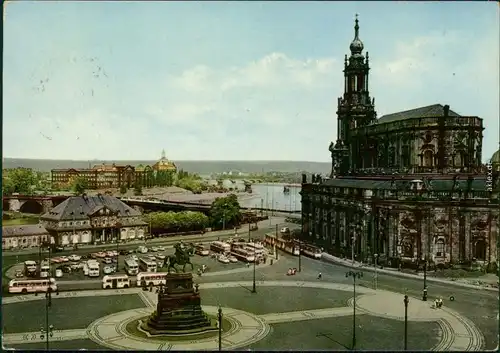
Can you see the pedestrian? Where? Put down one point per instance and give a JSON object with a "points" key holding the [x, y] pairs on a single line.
{"points": [[319, 275]]}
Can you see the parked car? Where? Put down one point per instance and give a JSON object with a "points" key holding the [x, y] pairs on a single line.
{"points": [[109, 270], [161, 248], [74, 257], [101, 254], [59, 273], [134, 257], [124, 252], [153, 249], [107, 260], [64, 258], [58, 249], [160, 256], [142, 249], [110, 253], [75, 267], [223, 259], [19, 273], [233, 259]]}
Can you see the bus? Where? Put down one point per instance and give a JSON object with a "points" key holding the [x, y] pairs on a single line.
{"points": [[44, 269], [242, 254], [30, 268], [147, 265], [220, 247], [200, 250], [256, 249], [151, 278], [311, 251], [32, 285], [115, 281], [282, 244], [131, 266], [94, 270]]}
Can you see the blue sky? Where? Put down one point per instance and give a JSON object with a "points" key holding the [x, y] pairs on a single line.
{"points": [[231, 80]]}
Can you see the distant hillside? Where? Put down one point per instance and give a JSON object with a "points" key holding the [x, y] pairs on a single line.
{"points": [[200, 167]]}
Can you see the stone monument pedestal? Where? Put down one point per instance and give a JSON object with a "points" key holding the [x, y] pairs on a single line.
{"points": [[179, 309]]}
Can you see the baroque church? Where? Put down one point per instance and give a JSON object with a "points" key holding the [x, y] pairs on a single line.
{"points": [[407, 188]]}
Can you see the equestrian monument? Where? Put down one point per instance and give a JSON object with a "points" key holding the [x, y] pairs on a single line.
{"points": [[179, 309]]}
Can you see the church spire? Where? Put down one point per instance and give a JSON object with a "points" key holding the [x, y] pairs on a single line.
{"points": [[163, 155], [356, 44]]}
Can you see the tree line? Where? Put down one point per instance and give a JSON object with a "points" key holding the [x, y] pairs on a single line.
{"points": [[224, 213]]}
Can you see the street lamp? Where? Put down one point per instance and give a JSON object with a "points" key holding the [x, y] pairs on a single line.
{"points": [[424, 296], [354, 275], [254, 289], [219, 318], [117, 231], [300, 256], [406, 301], [376, 273], [48, 330]]}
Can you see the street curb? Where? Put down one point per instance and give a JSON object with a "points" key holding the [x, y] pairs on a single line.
{"points": [[332, 259]]}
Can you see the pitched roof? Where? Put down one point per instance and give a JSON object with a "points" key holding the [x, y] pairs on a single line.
{"points": [[80, 207], [29, 229], [435, 110]]}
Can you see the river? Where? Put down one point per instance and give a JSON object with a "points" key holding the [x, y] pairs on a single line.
{"points": [[269, 196]]}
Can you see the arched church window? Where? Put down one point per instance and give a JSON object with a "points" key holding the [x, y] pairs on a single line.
{"points": [[440, 251], [428, 158]]}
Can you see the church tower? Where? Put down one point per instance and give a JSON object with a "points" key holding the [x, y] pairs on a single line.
{"points": [[355, 107]]}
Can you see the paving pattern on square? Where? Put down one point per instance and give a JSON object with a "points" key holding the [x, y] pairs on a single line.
{"points": [[457, 332]]}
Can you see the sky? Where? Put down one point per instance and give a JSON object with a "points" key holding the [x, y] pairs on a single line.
{"points": [[231, 80]]}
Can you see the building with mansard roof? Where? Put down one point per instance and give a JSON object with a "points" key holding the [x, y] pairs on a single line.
{"points": [[408, 187], [93, 219]]}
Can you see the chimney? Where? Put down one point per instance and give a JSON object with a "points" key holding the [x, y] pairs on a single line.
{"points": [[446, 110]]}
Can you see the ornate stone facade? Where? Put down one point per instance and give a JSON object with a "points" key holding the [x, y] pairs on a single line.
{"points": [[408, 186], [91, 219]]}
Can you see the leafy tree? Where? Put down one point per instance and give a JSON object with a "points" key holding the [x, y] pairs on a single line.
{"points": [[20, 180], [8, 186], [79, 185], [225, 212], [176, 221], [137, 189], [123, 189]]}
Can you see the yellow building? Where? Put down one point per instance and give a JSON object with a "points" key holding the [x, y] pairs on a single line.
{"points": [[164, 164]]}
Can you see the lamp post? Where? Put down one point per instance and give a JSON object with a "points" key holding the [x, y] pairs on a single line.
{"points": [[249, 231], [354, 275], [117, 230], [300, 255], [376, 273], [424, 296], [219, 318], [47, 331], [406, 301], [254, 289]]}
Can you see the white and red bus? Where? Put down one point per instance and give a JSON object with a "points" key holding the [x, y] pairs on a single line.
{"points": [[243, 254], [32, 285], [151, 278], [115, 281], [220, 247], [287, 246]]}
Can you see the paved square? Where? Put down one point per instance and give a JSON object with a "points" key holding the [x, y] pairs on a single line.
{"points": [[373, 333], [65, 313], [275, 299]]}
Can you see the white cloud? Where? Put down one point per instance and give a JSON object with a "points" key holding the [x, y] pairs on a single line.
{"points": [[275, 107]]}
